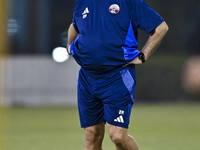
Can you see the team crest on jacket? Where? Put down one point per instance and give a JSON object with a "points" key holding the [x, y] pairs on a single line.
{"points": [[114, 9]]}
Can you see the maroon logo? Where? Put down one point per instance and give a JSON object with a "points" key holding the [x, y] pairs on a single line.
{"points": [[114, 9]]}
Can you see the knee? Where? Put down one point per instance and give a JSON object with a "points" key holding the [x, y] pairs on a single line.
{"points": [[123, 142], [117, 138], [121, 139]]}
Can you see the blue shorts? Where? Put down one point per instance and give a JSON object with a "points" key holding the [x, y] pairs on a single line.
{"points": [[106, 97]]}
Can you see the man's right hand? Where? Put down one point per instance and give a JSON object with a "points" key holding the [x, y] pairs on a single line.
{"points": [[72, 35], [68, 49]]}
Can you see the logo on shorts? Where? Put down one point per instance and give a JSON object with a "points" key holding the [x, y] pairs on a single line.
{"points": [[121, 112], [120, 118], [114, 9]]}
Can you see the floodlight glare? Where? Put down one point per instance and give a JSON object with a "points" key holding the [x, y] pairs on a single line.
{"points": [[60, 54]]}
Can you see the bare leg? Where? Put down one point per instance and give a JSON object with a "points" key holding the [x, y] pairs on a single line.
{"points": [[94, 137], [121, 139]]}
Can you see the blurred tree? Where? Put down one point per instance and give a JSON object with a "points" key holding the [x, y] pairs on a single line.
{"points": [[3, 52], [3, 18], [191, 37], [38, 24]]}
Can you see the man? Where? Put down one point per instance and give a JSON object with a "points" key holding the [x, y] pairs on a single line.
{"points": [[103, 41]]}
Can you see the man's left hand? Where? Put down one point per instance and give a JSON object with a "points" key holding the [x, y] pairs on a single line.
{"points": [[135, 61]]}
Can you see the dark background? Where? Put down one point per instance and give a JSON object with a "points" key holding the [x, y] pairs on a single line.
{"points": [[41, 23]]}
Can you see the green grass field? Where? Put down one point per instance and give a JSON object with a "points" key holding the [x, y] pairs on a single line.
{"points": [[155, 127]]}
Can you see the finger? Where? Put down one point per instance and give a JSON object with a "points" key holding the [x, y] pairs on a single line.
{"points": [[68, 49], [125, 65]]}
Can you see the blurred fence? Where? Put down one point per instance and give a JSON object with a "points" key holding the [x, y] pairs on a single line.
{"points": [[38, 80]]}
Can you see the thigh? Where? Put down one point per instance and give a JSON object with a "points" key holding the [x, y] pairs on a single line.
{"points": [[91, 111]]}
